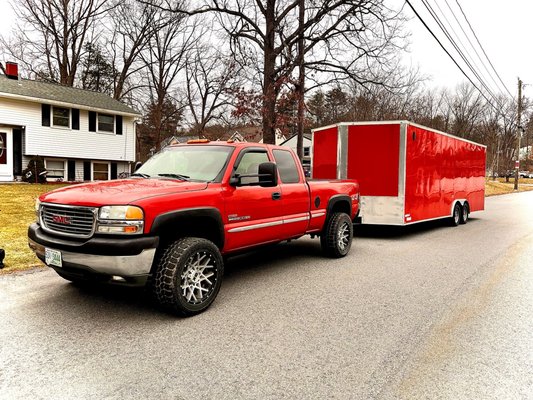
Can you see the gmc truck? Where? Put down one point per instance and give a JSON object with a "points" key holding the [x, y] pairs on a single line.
{"points": [[171, 225]]}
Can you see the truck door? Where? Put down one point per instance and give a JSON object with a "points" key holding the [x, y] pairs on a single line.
{"points": [[254, 213], [294, 193]]}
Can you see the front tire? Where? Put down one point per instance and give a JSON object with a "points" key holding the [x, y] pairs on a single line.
{"points": [[188, 276], [336, 239], [456, 215]]}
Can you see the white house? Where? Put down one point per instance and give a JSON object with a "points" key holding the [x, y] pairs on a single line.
{"points": [[307, 145], [82, 135]]}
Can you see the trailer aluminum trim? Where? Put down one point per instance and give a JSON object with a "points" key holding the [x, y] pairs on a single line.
{"points": [[395, 122], [342, 152]]}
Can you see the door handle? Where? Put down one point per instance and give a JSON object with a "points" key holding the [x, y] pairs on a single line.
{"points": [[276, 196]]}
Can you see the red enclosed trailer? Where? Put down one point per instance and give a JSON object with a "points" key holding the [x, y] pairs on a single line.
{"points": [[407, 173]]}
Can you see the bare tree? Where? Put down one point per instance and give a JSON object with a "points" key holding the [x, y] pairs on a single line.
{"points": [[50, 35], [163, 60], [209, 77], [132, 25], [271, 28]]}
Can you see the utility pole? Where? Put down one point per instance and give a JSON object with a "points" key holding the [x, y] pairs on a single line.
{"points": [[519, 133]]}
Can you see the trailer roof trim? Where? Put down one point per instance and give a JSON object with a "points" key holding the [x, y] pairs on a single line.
{"points": [[397, 122]]}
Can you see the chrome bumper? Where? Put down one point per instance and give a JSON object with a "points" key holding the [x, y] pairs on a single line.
{"points": [[125, 266]]}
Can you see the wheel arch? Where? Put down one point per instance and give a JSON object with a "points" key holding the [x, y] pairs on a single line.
{"points": [[202, 222], [339, 203]]}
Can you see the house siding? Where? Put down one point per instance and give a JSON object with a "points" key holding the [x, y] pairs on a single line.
{"points": [[63, 142]]}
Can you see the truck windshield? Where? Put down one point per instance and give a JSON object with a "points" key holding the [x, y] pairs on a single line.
{"points": [[203, 163]]}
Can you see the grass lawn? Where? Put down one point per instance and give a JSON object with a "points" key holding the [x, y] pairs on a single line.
{"points": [[17, 211], [500, 186]]}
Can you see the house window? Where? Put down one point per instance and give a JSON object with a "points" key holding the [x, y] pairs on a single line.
{"points": [[100, 171], [61, 117], [106, 123], [55, 169], [307, 152]]}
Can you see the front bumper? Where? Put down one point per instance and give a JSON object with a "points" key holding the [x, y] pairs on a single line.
{"points": [[123, 257]]}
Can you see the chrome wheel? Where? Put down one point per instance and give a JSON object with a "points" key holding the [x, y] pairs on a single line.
{"points": [[336, 239], [456, 215], [343, 236], [188, 275], [198, 277]]}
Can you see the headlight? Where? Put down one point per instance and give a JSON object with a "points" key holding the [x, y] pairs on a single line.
{"points": [[120, 220], [121, 212]]}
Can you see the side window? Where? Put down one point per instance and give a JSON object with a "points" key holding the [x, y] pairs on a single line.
{"points": [[249, 164], [288, 170]]}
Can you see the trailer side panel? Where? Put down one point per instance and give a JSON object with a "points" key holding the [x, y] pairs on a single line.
{"points": [[325, 153], [373, 157], [441, 170]]}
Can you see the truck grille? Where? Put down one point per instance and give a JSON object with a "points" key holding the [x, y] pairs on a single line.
{"points": [[68, 220]]}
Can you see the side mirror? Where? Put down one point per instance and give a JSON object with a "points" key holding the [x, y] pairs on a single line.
{"points": [[268, 174], [138, 165]]}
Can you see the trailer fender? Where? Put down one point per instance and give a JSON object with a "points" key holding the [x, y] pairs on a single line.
{"points": [[461, 203]]}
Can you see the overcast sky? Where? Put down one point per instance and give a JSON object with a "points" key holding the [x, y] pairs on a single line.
{"points": [[505, 29]]}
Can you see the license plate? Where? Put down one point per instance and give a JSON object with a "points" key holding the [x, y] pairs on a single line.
{"points": [[52, 257]]}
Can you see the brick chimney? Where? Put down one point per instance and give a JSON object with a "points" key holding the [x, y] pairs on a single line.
{"points": [[12, 70]]}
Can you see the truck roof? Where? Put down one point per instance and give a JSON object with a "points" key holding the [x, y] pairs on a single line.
{"points": [[230, 143]]}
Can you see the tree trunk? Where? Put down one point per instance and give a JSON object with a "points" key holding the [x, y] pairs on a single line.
{"points": [[269, 82]]}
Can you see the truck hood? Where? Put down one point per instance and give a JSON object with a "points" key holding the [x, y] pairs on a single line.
{"points": [[118, 192]]}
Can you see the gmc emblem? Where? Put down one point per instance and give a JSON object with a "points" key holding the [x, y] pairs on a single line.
{"points": [[60, 219]]}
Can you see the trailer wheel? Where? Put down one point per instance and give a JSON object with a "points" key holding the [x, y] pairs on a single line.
{"points": [[188, 276], [336, 239], [456, 215], [465, 213]]}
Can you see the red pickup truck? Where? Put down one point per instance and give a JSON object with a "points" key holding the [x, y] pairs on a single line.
{"points": [[173, 222]]}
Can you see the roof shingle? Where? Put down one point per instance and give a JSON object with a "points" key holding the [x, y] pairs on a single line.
{"points": [[51, 92]]}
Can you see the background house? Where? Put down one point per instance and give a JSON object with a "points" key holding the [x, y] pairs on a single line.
{"points": [[307, 145], [82, 135]]}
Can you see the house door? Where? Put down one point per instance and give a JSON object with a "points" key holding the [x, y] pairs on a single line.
{"points": [[6, 154]]}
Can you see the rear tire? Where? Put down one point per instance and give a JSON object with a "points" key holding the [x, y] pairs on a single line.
{"points": [[336, 239], [188, 276], [465, 213], [456, 215]]}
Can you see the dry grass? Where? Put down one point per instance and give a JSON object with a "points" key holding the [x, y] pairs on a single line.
{"points": [[500, 186], [17, 211]]}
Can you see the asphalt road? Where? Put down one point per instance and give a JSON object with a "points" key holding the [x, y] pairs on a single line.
{"points": [[431, 312]]}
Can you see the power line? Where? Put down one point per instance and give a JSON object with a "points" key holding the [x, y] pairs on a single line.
{"points": [[459, 51], [490, 75], [448, 53], [474, 33]]}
